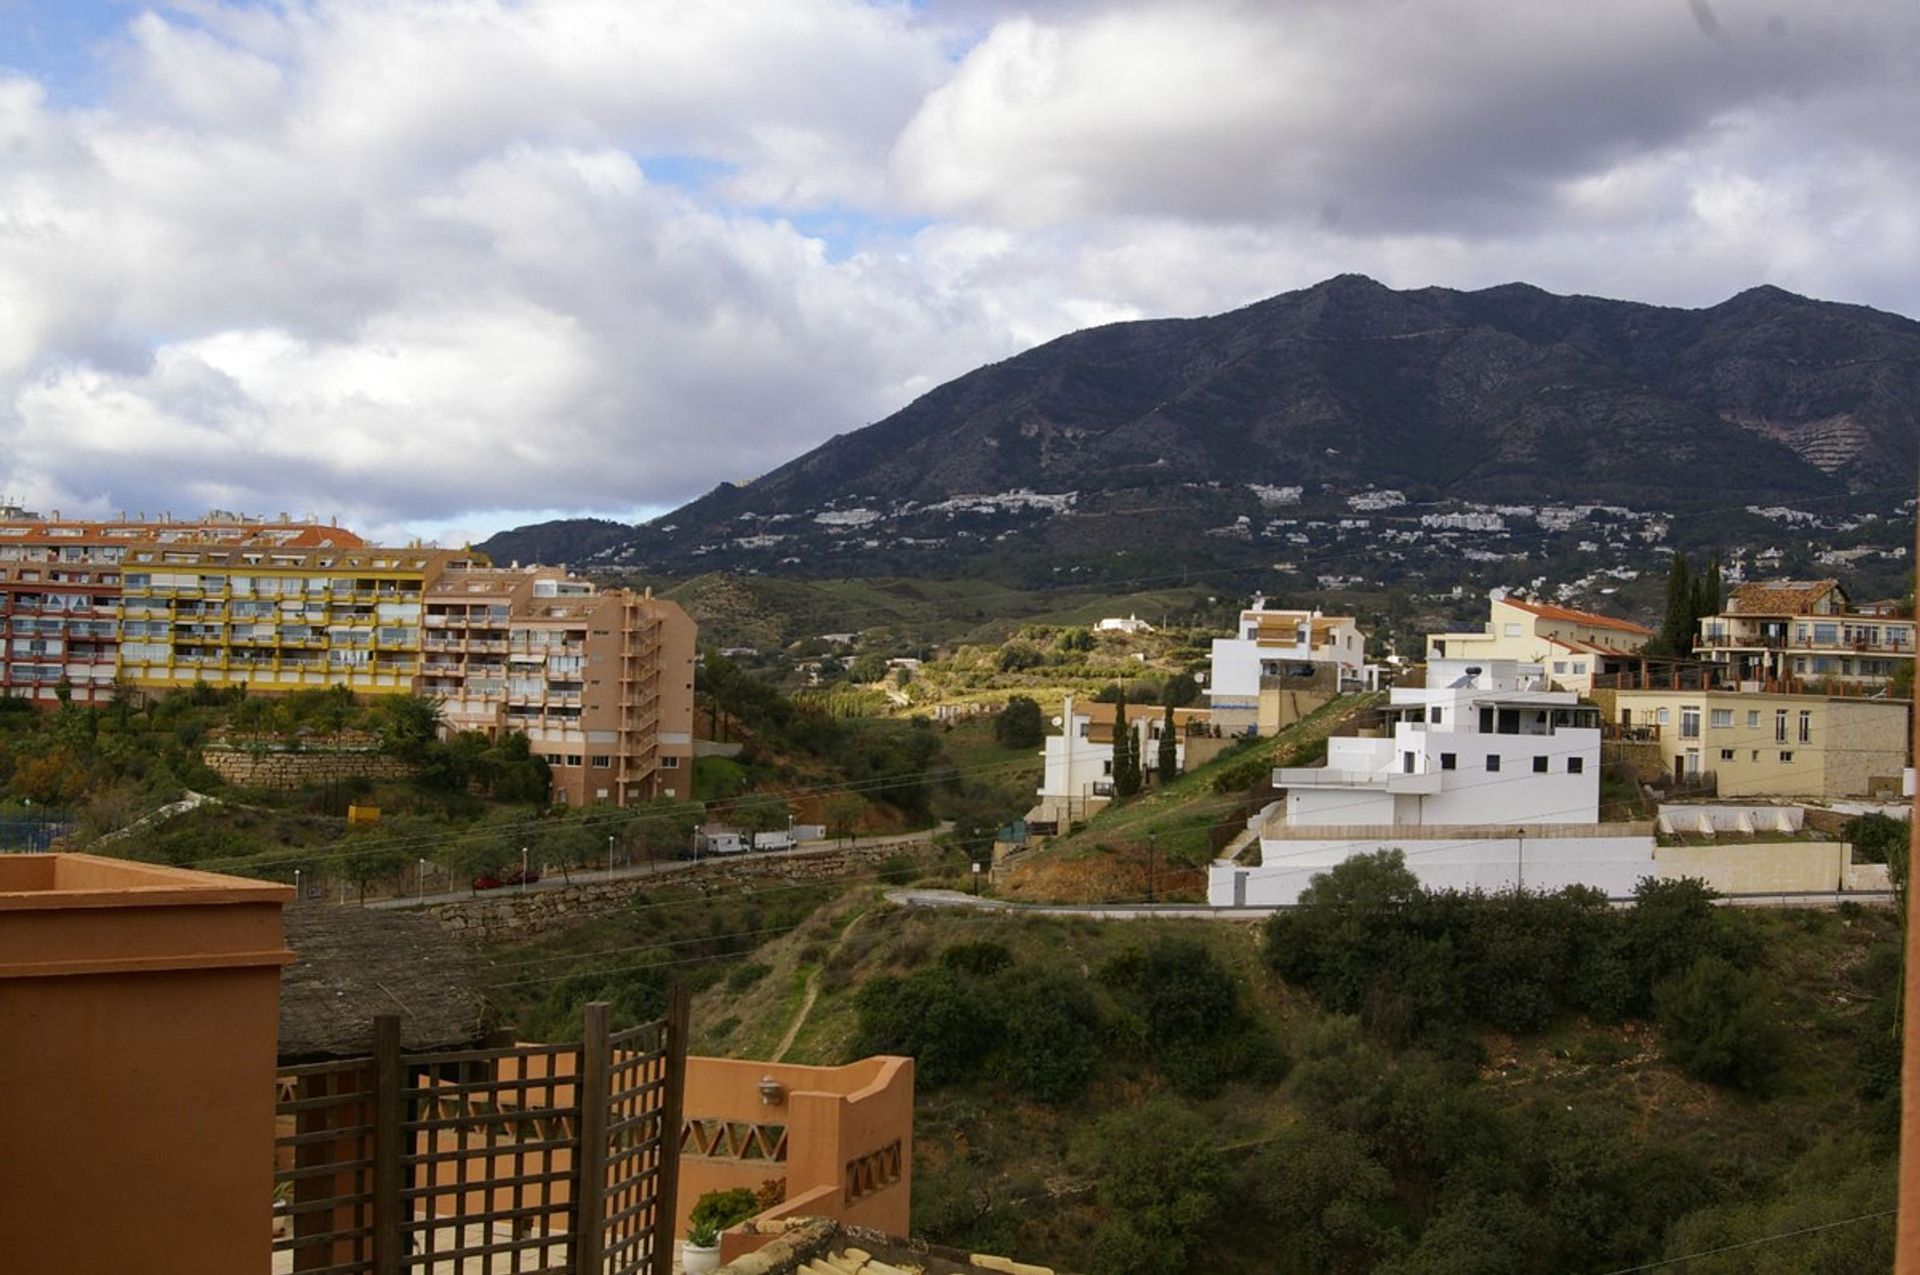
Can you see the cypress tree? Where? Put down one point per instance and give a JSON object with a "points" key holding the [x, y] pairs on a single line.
{"points": [[1122, 746], [1681, 599], [1169, 760]]}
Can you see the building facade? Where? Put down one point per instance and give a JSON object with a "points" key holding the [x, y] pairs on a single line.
{"points": [[600, 681], [1077, 775], [1797, 634], [1485, 779], [1758, 744], [1273, 651], [1571, 646]]}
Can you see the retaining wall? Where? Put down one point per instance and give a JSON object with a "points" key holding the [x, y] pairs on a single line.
{"points": [[245, 769]]}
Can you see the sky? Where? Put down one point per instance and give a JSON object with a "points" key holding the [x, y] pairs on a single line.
{"points": [[440, 267]]}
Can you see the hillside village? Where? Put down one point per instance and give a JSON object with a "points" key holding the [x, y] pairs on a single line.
{"points": [[849, 855]]}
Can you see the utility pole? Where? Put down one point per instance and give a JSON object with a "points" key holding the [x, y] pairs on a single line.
{"points": [[1906, 1249]]}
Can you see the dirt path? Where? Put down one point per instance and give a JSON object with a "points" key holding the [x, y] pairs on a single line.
{"points": [[813, 994]]}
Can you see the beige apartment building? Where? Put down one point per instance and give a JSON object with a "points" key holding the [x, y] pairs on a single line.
{"points": [[600, 681], [1769, 745], [1572, 646], [1790, 634]]}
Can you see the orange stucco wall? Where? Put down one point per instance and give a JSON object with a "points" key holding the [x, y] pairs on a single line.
{"points": [[138, 1011]]}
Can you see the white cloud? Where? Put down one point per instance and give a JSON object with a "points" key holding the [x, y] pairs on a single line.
{"points": [[424, 264]]}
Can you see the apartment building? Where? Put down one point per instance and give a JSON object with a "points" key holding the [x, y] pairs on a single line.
{"points": [[1273, 651], [1757, 744], [1784, 634], [1077, 771], [600, 681], [1572, 646], [64, 590]]}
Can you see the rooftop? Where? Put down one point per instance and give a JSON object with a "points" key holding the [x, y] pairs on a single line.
{"points": [[351, 965], [1568, 615], [1778, 597]]}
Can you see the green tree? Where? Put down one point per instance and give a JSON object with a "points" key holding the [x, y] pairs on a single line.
{"points": [[1051, 1043], [1180, 691], [1677, 625], [1332, 1203], [1162, 1185], [1717, 1026], [371, 866], [1126, 759], [940, 1017], [407, 725], [868, 667], [1019, 724], [1168, 760]]}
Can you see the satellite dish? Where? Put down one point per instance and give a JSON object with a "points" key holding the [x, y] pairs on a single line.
{"points": [[1058, 722]]}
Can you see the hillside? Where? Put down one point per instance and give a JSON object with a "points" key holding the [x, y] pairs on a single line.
{"points": [[1252, 434]]}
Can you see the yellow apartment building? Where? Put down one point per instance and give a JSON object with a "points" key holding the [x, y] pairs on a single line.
{"points": [[1769, 745], [1572, 646], [1791, 634]]}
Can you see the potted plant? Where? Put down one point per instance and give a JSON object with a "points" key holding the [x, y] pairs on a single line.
{"points": [[700, 1252], [713, 1213]]}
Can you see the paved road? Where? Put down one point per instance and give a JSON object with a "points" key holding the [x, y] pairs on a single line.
{"points": [[556, 881], [1098, 911], [1207, 912]]}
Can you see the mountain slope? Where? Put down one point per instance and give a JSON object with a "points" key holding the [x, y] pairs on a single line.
{"points": [[1508, 395]]}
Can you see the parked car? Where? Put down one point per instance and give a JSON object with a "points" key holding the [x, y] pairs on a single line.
{"points": [[512, 876], [487, 881]]}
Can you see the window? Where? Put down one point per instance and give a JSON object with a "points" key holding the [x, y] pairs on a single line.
{"points": [[1511, 630], [1436, 714], [1806, 726], [1559, 666], [1664, 717], [1448, 761], [573, 759], [1579, 667], [1493, 762], [670, 762], [1726, 754], [1780, 726], [1576, 765], [1753, 719], [1406, 763], [1721, 718], [1539, 765], [1786, 756], [1690, 722], [601, 761]]}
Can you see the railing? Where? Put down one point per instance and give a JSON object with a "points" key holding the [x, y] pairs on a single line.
{"points": [[557, 1159]]}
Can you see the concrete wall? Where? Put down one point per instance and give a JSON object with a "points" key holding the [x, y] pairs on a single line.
{"points": [[1785, 867], [245, 769], [1470, 861], [1851, 742], [138, 1017]]}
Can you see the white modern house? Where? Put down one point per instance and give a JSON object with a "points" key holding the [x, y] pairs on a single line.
{"points": [[1117, 624], [1274, 651], [1484, 778]]}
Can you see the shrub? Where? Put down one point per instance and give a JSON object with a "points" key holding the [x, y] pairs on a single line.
{"points": [[939, 1017], [1019, 724], [983, 958], [1162, 1184], [747, 975], [1717, 1028], [722, 1209], [1182, 1007], [1877, 838], [1050, 1043]]}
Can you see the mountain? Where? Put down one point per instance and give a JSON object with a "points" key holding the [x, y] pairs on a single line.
{"points": [[1247, 436]]}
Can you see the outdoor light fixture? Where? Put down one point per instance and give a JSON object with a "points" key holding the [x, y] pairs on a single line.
{"points": [[772, 1092]]}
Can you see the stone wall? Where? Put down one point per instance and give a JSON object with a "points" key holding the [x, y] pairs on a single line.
{"points": [[509, 914], [246, 769]]}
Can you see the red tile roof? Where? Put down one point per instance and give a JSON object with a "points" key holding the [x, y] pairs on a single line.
{"points": [[1548, 611], [1778, 597]]}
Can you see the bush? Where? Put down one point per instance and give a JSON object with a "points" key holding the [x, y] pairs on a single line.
{"points": [[1020, 724], [1162, 1185], [1877, 838], [1717, 1027], [722, 1209], [747, 975], [939, 1017], [982, 958], [1050, 1042], [1183, 1012], [1332, 1203]]}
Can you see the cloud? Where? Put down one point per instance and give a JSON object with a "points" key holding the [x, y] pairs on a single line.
{"points": [[424, 264]]}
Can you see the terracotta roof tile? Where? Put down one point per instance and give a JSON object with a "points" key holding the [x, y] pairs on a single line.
{"points": [[1548, 611], [1778, 597]]}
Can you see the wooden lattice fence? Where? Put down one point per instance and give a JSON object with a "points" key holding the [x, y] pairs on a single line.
{"points": [[542, 1159]]}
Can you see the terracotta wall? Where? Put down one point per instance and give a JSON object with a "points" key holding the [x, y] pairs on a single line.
{"points": [[138, 1015]]}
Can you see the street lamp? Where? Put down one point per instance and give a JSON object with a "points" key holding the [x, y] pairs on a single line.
{"points": [[610, 854], [523, 869], [423, 878], [297, 896]]}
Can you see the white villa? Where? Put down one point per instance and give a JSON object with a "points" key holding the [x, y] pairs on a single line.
{"points": [[1275, 652], [1115, 624], [1485, 778]]}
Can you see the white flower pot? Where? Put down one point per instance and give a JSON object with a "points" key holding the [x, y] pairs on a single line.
{"points": [[696, 1260]]}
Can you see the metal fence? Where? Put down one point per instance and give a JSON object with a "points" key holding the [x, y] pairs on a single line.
{"points": [[542, 1159]]}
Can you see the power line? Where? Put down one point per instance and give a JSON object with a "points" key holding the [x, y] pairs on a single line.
{"points": [[1765, 1239]]}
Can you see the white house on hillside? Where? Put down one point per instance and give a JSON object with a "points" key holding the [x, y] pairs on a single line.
{"points": [[1272, 649], [1078, 776], [1131, 624], [1484, 778]]}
